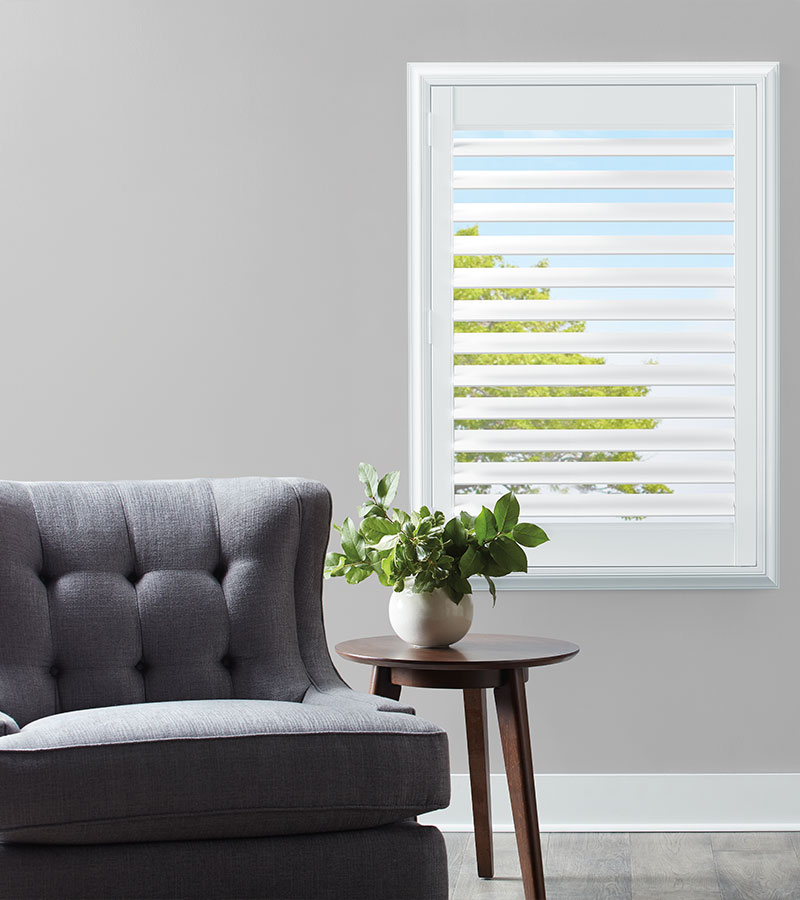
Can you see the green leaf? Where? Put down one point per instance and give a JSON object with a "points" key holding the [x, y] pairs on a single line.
{"points": [[375, 528], [401, 516], [423, 584], [444, 565], [456, 533], [506, 512], [386, 565], [384, 579], [355, 574], [485, 526], [492, 589], [369, 478], [352, 541], [508, 554], [458, 585], [334, 564], [387, 488], [529, 535], [387, 542], [471, 562], [490, 567], [467, 520]]}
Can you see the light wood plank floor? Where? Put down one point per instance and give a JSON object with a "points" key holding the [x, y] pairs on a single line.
{"points": [[729, 866]]}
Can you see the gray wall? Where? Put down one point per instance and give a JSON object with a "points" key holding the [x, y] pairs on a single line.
{"points": [[203, 272]]}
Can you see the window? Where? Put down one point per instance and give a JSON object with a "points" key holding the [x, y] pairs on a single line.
{"points": [[594, 313]]}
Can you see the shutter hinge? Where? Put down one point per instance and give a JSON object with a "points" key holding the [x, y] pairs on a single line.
{"points": [[429, 129]]}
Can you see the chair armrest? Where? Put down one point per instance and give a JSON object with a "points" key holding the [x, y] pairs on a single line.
{"points": [[341, 695], [7, 725]]}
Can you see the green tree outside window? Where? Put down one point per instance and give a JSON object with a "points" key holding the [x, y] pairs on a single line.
{"points": [[471, 294]]}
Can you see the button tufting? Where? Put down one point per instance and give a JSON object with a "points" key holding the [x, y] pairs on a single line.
{"points": [[132, 577], [55, 671], [227, 662], [220, 572], [140, 666]]}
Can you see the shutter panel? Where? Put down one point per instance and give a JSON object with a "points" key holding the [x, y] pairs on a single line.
{"points": [[593, 313], [592, 304]]}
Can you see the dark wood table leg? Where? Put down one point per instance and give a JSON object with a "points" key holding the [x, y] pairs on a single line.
{"points": [[478, 750], [381, 683], [512, 714]]}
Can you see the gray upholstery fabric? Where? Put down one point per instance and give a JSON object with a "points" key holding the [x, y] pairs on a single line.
{"points": [[162, 650], [341, 696], [217, 768], [397, 862], [139, 591], [7, 725], [172, 590]]}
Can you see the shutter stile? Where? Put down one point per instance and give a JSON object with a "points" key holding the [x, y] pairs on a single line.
{"points": [[594, 363]]}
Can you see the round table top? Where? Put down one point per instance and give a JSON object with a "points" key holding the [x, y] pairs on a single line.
{"points": [[475, 651]]}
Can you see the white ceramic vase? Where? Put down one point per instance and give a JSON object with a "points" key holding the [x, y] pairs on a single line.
{"points": [[431, 619]]}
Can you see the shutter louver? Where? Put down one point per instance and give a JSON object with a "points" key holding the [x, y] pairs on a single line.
{"points": [[593, 340]]}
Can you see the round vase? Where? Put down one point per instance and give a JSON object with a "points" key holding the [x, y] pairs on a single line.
{"points": [[429, 619]]}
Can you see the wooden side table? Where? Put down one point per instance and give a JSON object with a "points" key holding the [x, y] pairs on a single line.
{"points": [[478, 662]]}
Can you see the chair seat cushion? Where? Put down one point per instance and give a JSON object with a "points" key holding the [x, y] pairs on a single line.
{"points": [[216, 769]]}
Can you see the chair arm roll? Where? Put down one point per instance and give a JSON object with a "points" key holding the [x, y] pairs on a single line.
{"points": [[7, 725], [341, 695]]}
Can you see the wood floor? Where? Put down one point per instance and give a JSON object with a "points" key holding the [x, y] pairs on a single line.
{"points": [[726, 866]]}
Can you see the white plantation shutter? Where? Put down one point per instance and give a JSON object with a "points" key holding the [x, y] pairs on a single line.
{"points": [[597, 324]]}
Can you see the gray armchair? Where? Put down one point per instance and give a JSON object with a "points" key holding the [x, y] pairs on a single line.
{"points": [[171, 723]]}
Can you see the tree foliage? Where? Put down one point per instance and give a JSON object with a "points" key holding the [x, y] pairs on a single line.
{"points": [[495, 261]]}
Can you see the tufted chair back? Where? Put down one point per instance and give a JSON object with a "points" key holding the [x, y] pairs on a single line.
{"points": [[128, 592]]}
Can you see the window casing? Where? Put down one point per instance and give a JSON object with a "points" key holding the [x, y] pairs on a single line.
{"points": [[669, 478]]}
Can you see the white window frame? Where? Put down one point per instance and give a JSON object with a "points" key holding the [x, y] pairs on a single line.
{"points": [[422, 324]]}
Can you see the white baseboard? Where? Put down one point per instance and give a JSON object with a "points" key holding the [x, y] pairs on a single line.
{"points": [[745, 802]]}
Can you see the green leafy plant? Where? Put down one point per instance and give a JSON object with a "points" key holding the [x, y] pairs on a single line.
{"points": [[397, 546]]}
